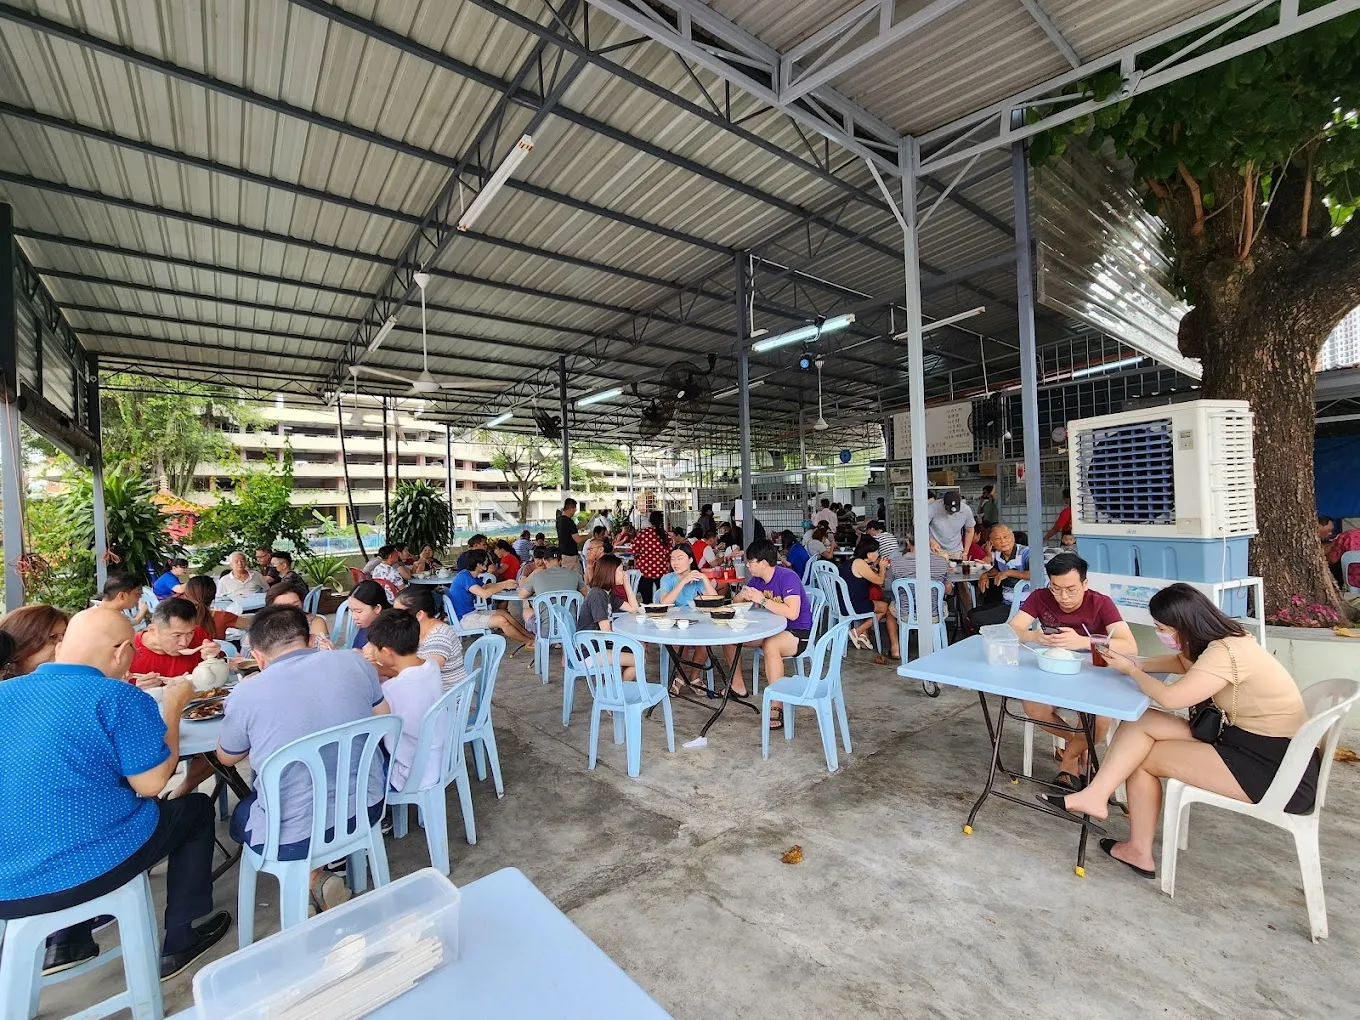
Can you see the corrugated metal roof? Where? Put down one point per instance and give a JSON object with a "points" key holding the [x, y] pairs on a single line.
{"points": [[219, 234]]}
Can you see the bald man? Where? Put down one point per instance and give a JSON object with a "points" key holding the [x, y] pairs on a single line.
{"points": [[84, 757]]}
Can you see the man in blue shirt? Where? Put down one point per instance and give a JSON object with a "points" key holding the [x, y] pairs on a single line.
{"points": [[84, 757], [467, 588], [171, 583]]}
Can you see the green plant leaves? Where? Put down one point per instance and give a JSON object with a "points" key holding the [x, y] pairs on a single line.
{"points": [[420, 516]]}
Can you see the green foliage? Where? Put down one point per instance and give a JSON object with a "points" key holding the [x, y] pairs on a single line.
{"points": [[1277, 115], [327, 526], [61, 532], [167, 431], [529, 466], [420, 516], [322, 570], [257, 511]]}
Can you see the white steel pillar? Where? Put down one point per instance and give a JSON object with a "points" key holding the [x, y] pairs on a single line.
{"points": [[1029, 369], [101, 535], [566, 438], [909, 159], [744, 399]]}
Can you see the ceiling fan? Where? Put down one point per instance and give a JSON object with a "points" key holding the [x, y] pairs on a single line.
{"points": [[425, 382]]}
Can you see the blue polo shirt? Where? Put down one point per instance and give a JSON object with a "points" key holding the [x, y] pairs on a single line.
{"points": [[67, 813], [165, 585], [460, 593], [798, 557]]}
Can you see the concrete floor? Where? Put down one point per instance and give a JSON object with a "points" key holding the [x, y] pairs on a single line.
{"points": [[894, 912]]}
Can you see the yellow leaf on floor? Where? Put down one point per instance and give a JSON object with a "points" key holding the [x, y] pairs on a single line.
{"points": [[1346, 754], [793, 855]]}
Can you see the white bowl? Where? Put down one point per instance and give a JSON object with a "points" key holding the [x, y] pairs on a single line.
{"points": [[741, 607], [682, 624], [664, 623], [737, 623]]}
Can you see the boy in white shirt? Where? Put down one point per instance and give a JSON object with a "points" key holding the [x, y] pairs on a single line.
{"points": [[393, 639]]}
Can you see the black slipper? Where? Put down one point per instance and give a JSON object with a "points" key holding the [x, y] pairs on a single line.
{"points": [[776, 721], [1070, 781], [1058, 802], [1108, 846]]}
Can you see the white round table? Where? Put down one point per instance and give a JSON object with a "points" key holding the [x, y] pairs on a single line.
{"points": [[436, 581], [239, 604], [509, 595], [702, 632]]}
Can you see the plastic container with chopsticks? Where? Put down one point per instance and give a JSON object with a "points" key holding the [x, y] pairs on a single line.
{"points": [[342, 964]]}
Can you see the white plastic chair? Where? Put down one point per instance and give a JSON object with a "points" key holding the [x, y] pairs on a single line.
{"points": [[548, 630], [1327, 703], [24, 940], [483, 661], [446, 721], [346, 795], [819, 689], [1347, 561], [598, 653], [802, 663]]}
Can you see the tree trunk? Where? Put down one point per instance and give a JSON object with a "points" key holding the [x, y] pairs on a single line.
{"points": [[1261, 360]]}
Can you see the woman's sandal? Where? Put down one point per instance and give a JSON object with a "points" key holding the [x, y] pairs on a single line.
{"points": [[1107, 845], [776, 719], [1057, 802]]}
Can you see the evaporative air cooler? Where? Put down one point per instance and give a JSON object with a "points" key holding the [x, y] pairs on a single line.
{"points": [[1166, 492]]}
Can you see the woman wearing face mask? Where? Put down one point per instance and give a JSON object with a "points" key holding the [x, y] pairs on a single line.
{"points": [[1261, 706]]}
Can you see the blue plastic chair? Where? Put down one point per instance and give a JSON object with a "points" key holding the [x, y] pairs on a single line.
{"points": [[23, 941], [483, 661], [325, 754], [342, 633], [634, 579], [1018, 595], [819, 573], [598, 654], [546, 624], [452, 618], [904, 601], [312, 602], [838, 602], [817, 599], [1347, 561], [819, 688], [481, 602], [572, 670], [445, 720]]}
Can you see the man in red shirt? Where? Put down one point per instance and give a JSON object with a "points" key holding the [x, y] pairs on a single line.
{"points": [[173, 642], [1069, 615], [1064, 522]]}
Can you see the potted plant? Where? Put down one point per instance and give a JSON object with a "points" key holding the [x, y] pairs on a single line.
{"points": [[420, 516], [330, 574]]}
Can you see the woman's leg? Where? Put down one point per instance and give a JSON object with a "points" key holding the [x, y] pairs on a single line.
{"points": [[1131, 745], [508, 625], [884, 612]]}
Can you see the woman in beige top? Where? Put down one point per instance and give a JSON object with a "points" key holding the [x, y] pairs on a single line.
{"points": [[1262, 711]]}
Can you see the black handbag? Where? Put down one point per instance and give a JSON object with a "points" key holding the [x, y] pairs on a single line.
{"points": [[1207, 719]]}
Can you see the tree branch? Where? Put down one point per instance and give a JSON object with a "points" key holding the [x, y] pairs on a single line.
{"points": [[1248, 215], [1193, 185], [1331, 273]]}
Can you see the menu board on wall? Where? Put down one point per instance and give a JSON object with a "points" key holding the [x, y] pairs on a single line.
{"points": [[948, 431]]}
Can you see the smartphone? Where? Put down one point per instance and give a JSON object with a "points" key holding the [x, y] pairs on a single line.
{"points": [[1050, 630]]}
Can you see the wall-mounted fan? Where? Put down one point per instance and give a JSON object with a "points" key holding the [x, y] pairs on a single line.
{"points": [[425, 382], [548, 425], [686, 390], [986, 420]]}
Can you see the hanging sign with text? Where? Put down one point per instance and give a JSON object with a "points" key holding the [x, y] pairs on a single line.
{"points": [[948, 431]]}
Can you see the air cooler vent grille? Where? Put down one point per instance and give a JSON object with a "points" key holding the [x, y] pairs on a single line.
{"points": [[1127, 475]]}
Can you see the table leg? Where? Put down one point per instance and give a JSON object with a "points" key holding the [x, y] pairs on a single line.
{"points": [[1088, 726], [995, 736], [725, 674], [226, 774]]}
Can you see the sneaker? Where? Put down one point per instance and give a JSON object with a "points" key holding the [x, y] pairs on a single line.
{"points": [[206, 935], [65, 955]]}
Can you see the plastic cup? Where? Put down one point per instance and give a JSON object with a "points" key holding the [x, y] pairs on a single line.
{"points": [[1098, 646]]}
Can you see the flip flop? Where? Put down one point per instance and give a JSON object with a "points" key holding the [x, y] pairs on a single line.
{"points": [[1069, 781], [1107, 845], [1057, 802]]}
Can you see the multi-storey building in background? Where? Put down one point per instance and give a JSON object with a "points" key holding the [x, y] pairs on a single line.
{"points": [[416, 449], [1342, 348]]}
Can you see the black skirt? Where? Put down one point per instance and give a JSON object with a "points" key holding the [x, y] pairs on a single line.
{"points": [[1253, 760]]}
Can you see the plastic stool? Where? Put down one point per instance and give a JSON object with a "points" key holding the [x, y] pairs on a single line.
{"points": [[25, 942]]}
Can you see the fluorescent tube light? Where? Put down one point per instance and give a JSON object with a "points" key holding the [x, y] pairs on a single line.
{"points": [[516, 156], [808, 332], [753, 384], [596, 398], [1107, 366], [948, 320], [381, 335], [500, 419]]}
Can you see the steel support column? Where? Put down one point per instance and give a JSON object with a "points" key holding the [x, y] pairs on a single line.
{"points": [[566, 438], [387, 485], [744, 396], [11, 467], [93, 423], [909, 160], [1029, 369], [448, 469]]}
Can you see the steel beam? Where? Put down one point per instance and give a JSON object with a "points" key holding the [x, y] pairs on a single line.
{"points": [[1045, 22]]}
